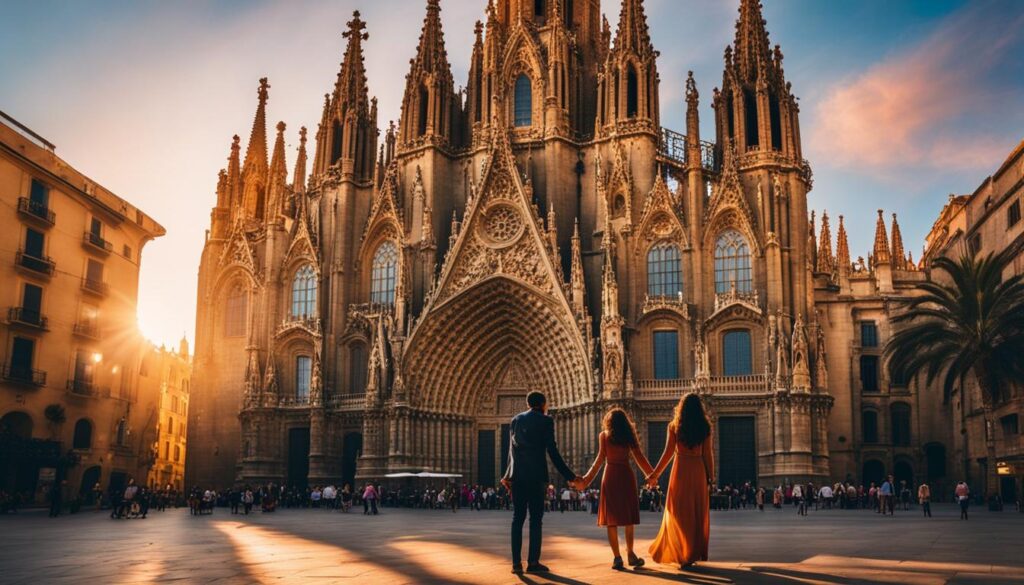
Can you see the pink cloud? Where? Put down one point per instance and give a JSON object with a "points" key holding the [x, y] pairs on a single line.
{"points": [[916, 108]]}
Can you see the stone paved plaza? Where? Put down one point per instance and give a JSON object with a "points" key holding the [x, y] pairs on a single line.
{"points": [[421, 546]]}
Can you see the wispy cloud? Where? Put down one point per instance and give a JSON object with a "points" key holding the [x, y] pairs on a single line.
{"points": [[925, 107]]}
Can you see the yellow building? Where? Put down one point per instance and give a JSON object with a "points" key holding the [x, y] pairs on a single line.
{"points": [[168, 378], [70, 250]]}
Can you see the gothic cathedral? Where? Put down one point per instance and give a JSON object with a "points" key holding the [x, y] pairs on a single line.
{"points": [[538, 230]]}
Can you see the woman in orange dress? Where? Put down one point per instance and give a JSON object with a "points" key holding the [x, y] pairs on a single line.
{"points": [[619, 503], [685, 525]]}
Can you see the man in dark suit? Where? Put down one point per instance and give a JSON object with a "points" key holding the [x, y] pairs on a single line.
{"points": [[532, 441]]}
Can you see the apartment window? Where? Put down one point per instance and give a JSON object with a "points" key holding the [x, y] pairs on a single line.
{"points": [[869, 426], [899, 415], [39, 194], [1010, 424], [82, 438], [303, 369], [167, 450], [1013, 214], [869, 373], [34, 243], [736, 355], [177, 453], [94, 272], [126, 251], [96, 228], [974, 243], [32, 304], [868, 334], [84, 368], [121, 436], [23, 351], [666, 355]]}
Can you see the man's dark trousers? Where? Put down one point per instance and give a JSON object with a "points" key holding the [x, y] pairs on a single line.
{"points": [[527, 497]]}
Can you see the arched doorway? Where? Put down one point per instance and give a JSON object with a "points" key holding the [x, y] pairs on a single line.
{"points": [[17, 424], [352, 448], [903, 471], [873, 472], [298, 457], [90, 477], [472, 360], [19, 467]]}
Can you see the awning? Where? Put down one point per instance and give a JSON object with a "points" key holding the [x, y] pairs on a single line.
{"points": [[428, 474]]}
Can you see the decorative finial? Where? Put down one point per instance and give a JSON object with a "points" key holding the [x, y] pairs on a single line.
{"points": [[356, 26], [262, 91]]}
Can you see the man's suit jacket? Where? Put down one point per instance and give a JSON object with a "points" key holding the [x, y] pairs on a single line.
{"points": [[532, 441]]}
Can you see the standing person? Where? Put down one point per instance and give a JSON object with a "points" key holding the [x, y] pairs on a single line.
{"points": [[55, 499], [886, 494], [798, 499], [963, 497], [346, 498], [924, 497], [759, 498], [686, 523], [370, 499], [532, 442], [247, 499], [619, 507]]}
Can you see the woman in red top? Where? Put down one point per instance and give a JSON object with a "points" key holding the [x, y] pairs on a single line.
{"points": [[618, 504]]}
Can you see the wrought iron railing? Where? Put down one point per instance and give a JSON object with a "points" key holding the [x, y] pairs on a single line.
{"points": [[23, 374], [25, 316], [36, 209], [97, 242], [95, 286], [87, 329], [672, 145], [39, 264]]}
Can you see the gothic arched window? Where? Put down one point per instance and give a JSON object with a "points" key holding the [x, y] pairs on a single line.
{"points": [[732, 263], [303, 375], [664, 271], [632, 92], [523, 111], [424, 110], [736, 359], [357, 369], [304, 293], [236, 311], [385, 269]]}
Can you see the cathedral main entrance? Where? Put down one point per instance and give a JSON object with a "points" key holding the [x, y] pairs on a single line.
{"points": [[737, 450], [475, 357]]}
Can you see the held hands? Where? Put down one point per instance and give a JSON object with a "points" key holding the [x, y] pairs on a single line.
{"points": [[651, 480], [578, 483]]}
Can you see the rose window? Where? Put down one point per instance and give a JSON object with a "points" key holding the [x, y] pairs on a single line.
{"points": [[502, 225]]}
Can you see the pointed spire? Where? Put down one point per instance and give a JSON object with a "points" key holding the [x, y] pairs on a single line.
{"points": [[431, 55], [222, 189], [234, 175], [826, 263], [633, 33], [576, 280], [842, 249], [898, 255], [256, 153], [910, 261], [881, 252], [350, 89], [278, 166], [751, 48], [299, 178]]}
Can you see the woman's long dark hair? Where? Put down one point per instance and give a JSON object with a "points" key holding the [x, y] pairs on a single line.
{"points": [[620, 428], [690, 422]]}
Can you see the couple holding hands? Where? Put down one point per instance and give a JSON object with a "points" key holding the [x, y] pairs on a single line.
{"points": [[685, 525]]}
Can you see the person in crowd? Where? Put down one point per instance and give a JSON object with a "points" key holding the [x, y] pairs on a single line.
{"points": [[886, 493], [685, 527], [617, 444], [247, 499], [370, 499], [905, 495], [924, 497], [963, 498], [346, 498], [759, 498], [798, 500], [825, 495]]}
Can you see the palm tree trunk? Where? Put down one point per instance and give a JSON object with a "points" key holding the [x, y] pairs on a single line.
{"points": [[989, 394]]}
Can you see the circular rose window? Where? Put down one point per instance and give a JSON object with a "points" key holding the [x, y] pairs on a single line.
{"points": [[502, 225]]}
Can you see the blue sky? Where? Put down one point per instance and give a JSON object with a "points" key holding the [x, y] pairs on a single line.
{"points": [[902, 102]]}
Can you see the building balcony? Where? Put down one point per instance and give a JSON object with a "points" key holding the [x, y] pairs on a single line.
{"points": [[293, 401], [733, 296], [346, 402], [96, 287], [36, 211], [23, 375], [86, 388], [674, 389], [39, 266], [88, 330], [27, 317], [96, 243]]}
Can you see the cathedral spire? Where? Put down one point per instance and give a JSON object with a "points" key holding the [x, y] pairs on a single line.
{"points": [[881, 253], [633, 33], [430, 107], [825, 261], [842, 249], [254, 170], [278, 180], [899, 258], [577, 284], [431, 55], [299, 178], [751, 49], [350, 88]]}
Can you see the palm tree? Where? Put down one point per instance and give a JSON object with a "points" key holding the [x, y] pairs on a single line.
{"points": [[971, 323]]}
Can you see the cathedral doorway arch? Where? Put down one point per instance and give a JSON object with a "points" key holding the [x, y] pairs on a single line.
{"points": [[352, 448], [476, 356]]}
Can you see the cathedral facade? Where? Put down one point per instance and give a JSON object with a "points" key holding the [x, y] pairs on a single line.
{"points": [[539, 230]]}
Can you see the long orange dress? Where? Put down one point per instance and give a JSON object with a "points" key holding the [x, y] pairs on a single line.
{"points": [[618, 504], [686, 523]]}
